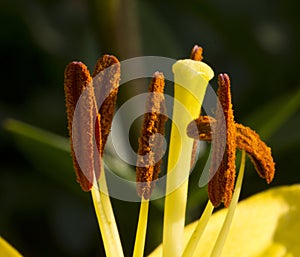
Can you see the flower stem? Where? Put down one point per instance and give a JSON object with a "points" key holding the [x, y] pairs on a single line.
{"points": [[141, 229], [218, 247], [106, 219], [192, 243]]}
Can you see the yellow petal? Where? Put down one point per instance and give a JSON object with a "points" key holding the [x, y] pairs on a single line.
{"points": [[264, 225], [7, 250]]}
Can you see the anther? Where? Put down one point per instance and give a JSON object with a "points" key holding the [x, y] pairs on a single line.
{"points": [[151, 146]]}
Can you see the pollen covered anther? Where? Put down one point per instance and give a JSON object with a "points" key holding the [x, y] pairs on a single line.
{"points": [[151, 145], [196, 53], [244, 138], [78, 83], [90, 127], [258, 151], [222, 176], [200, 128], [106, 78]]}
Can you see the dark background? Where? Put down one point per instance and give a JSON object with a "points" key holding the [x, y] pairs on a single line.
{"points": [[43, 212]]}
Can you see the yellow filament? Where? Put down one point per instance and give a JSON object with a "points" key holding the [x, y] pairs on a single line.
{"points": [[141, 229], [106, 219], [196, 236], [218, 247]]}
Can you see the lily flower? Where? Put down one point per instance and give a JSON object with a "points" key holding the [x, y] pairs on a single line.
{"points": [[191, 79], [266, 224]]}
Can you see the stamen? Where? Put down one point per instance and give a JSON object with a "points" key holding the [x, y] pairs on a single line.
{"points": [[259, 152], [151, 147], [77, 77], [106, 78], [77, 80], [98, 136], [196, 53], [221, 184], [218, 247], [246, 139], [202, 130], [86, 130]]}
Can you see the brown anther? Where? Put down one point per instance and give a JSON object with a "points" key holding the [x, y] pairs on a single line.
{"points": [[78, 80], [246, 139], [259, 152], [200, 128], [151, 147], [196, 53], [243, 137], [106, 77], [92, 125], [221, 184]]}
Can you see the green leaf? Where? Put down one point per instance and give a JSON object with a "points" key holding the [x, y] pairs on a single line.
{"points": [[36, 134], [274, 114], [49, 153]]}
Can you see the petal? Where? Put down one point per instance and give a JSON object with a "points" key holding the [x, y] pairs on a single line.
{"points": [[7, 250], [266, 224]]}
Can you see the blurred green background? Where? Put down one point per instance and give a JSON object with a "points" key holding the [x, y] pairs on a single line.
{"points": [[43, 212]]}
